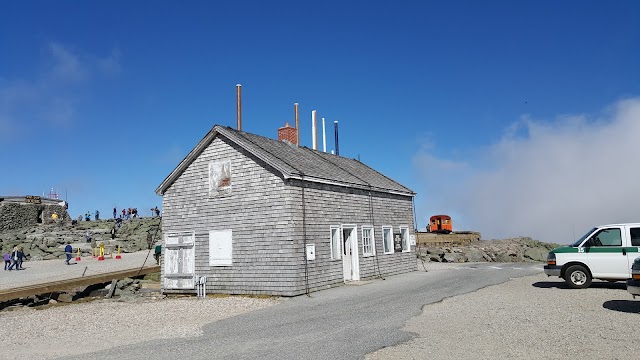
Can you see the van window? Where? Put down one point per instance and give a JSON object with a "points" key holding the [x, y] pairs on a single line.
{"points": [[607, 237], [635, 236]]}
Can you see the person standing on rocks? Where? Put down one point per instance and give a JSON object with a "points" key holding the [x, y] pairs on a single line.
{"points": [[114, 212], [157, 211], [7, 260], [97, 215], [113, 232], [68, 250], [88, 236]]}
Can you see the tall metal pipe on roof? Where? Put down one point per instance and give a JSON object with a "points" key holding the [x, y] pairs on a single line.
{"points": [[239, 106], [295, 110], [314, 131], [335, 130], [324, 138]]}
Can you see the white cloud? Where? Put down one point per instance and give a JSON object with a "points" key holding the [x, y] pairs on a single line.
{"points": [[51, 97], [548, 179], [65, 66]]}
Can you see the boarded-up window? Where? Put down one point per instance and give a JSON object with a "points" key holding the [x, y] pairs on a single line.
{"points": [[220, 248], [219, 178]]}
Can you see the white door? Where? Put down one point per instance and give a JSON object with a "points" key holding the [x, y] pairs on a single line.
{"points": [[350, 266], [179, 261], [607, 257]]}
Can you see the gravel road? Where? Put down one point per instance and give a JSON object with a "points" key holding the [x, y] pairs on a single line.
{"points": [[533, 317], [101, 325]]}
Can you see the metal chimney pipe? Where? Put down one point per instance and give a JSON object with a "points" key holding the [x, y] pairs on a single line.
{"points": [[324, 138], [239, 106], [295, 110], [335, 129], [314, 131]]}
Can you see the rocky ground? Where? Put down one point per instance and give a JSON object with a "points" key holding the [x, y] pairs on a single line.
{"points": [[47, 241]]}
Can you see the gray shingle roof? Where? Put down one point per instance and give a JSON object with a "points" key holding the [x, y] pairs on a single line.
{"points": [[295, 162]]}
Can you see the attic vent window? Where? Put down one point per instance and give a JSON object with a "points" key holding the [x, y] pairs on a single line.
{"points": [[219, 178]]}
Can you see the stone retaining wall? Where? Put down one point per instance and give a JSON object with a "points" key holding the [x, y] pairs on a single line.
{"points": [[16, 215], [429, 238]]}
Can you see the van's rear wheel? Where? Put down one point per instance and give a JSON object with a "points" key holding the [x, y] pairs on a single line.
{"points": [[577, 277]]}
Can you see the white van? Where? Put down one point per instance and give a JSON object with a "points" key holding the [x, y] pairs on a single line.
{"points": [[605, 252]]}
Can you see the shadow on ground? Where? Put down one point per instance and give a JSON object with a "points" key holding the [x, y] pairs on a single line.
{"points": [[627, 306], [620, 285]]}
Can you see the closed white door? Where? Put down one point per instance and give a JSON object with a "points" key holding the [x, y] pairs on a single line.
{"points": [[607, 257], [179, 261]]}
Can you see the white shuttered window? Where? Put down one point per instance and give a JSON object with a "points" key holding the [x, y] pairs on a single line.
{"points": [[220, 248]]}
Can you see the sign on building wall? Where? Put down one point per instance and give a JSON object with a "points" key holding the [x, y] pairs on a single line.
{"points": [[397, 242], [219, 178], [30, 199]]}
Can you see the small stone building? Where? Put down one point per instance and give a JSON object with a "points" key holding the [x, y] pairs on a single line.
{"points": [[18, 212], [256, 215]]}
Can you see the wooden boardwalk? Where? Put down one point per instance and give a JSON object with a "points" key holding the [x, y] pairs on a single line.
{"points": [[60, 285]]}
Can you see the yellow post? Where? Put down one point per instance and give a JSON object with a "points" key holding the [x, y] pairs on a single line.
{"points": [[101, 257], [118, 255], [78, 255]]}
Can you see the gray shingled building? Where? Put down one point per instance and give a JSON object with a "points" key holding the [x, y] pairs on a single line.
{"points": [[260, 216]]}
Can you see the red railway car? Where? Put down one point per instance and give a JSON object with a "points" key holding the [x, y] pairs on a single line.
{"points": [[440, 224]]}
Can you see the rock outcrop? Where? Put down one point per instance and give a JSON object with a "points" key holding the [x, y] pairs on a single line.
{"points": [[47, 241], [522, 249]]}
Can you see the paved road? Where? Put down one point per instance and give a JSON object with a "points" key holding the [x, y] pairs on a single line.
{"points": [[341, 323], [37, 272]]}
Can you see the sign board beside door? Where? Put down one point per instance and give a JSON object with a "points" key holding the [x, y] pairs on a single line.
{"points": [[397, 242]]}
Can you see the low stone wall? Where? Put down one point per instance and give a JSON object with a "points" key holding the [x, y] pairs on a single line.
{"points": [[16, 215], [433, 239]]}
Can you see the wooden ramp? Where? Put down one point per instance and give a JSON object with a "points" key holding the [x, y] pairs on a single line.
{"points": [[53, 286]]}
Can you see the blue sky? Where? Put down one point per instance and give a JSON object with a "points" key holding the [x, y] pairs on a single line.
{"points": [[485, 109]]}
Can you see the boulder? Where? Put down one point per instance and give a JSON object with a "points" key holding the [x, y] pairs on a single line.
{"points": [[475, 255], [453, 257], [536, 254]]}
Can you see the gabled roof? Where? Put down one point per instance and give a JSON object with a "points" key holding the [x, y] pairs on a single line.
{"points": [[295, 162]]}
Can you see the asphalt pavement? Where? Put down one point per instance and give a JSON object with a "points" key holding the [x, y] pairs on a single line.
{"points": [[346, 322]]}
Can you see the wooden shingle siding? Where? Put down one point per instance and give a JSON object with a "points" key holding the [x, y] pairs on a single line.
{"points": [[256, 211], [264, 209], [328, 205]]}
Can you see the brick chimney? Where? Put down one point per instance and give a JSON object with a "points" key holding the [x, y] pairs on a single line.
{"points": [[288, 134]]}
